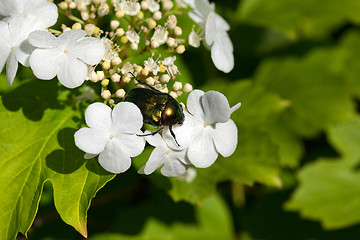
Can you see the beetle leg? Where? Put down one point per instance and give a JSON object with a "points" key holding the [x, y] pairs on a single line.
{"points": [[173, 135], [152, 133]]}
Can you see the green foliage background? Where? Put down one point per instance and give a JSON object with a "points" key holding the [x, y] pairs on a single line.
{"points": [[295, 173]]}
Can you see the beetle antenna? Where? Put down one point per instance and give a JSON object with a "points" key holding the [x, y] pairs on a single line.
{"points": [[173, 135], [144, 84]]}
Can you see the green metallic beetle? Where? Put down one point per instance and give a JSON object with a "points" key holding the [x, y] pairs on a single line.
{"points": [[158, 109]]}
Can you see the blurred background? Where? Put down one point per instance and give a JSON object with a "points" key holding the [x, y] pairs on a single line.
{"points": [[295, 173]]}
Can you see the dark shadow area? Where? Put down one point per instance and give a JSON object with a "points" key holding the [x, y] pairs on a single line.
{"points": [[134, 201], [265, 219], [68, 159], [33, 97]]}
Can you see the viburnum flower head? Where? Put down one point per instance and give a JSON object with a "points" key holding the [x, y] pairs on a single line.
{"points": [[66, 56], [112, 134], [173, 163], [207, 129]]}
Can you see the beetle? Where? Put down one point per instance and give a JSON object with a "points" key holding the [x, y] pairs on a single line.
{"points": [[158, 109]]}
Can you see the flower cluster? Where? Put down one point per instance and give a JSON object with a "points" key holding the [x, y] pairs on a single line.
{"points": [[141, 43], [115, 135]]}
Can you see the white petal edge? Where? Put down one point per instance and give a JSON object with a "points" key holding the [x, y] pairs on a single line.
{"points": [[155, 161], [98, 116], [113, 159], [216, 107], [72, 72], [91, 140], [89, 49], [45, 63], [11, 68], [194, 106], [202, 153], [222, 56], [225, 136], [43, 39]]}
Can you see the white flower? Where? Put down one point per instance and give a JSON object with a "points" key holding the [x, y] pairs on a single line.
{"points": [[66, 56], [153, 5], [194, 39], [130, 7], [40, 13], [160, 35], [151, 65], [216, 34], [127, 67], [207, 129], [110, 53], [14, 47], [173, 163], [132, 36], [112, 135], [171, 69]]}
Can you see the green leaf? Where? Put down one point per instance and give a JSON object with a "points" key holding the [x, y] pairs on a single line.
{"points": [[329, 192], [329, 189], [37, 145], [317, 95], [295, 17], [213, 221]]}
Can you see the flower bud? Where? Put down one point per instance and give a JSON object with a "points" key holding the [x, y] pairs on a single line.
{"points": [[81, 6], [171, 21], [151, 23], [106, 65], [167, 5], [157, 15], [187, 87], [89, 28], [144, 72], [103, 10], [120, 32], [165, 78], [144, 5], [101, 75], [72, 5], [140, 15], [150, 81], [120, 13], [106, 94], [115, 77], [177, 86], [134, 46], [63, 5], [105, 82], [177, 31], [138, 69], [155, 43], [84, 16], [180, 49], [171, 42], [114, 24], [173, 94], [76, 26], [116, 61], [124, 39], [120, 93], [125, 79], [162, 68]]}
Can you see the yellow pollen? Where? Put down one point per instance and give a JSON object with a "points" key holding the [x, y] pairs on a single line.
{"points": [[205, 125], [111, 136], [168, 152], [65, 51]]}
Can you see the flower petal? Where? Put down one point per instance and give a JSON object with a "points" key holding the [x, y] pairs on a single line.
{"points": [[69, 37], [216, 107], [173, 167], [222, 53], [45, 63], [225, 138], [155, 140], [113, 159], [42, 39], [11, 68], [23, 52], [127, 117], [72, 72], [46, 13], [235, 107], [89, 155], [156, 160], [91, 140], [194, 105], [131, 144], [98, 116], [89, 49], [202, 152], [184, 134], [215, 24]]}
